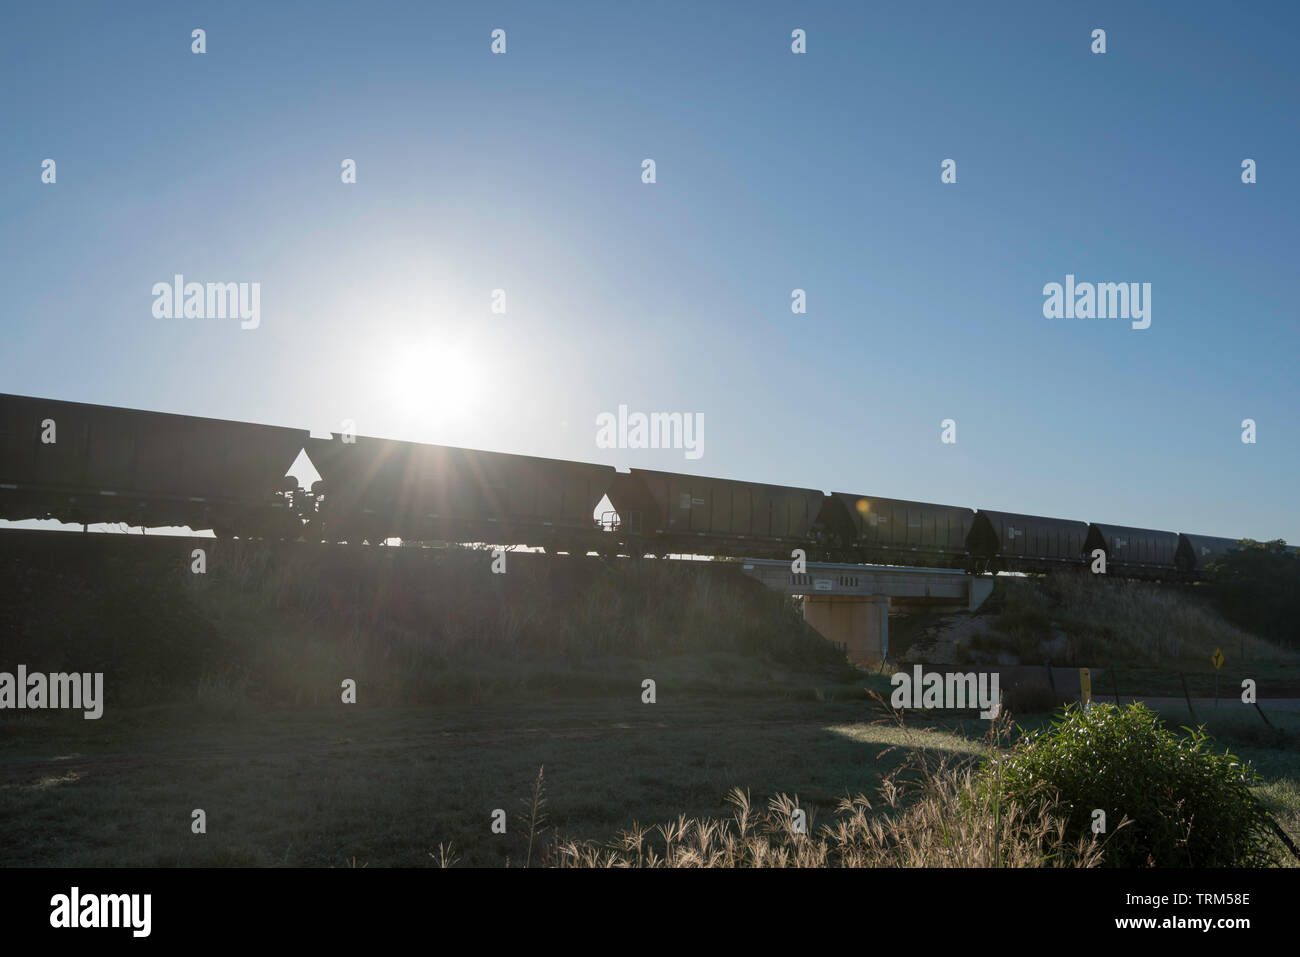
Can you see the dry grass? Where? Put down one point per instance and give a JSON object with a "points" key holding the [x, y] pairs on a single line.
{"points": [[1078, 619], [925, 815], [950, 824], [1157, 623]]}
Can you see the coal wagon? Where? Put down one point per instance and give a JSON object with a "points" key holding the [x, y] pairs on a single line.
{"points": [[85, 463], [663, 513], [1197, 552], [1009, 541], [372, 489], [1135, 552], [868, 528]]}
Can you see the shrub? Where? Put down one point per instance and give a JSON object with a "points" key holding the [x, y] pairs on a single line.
{"points": [[1188, 806]]}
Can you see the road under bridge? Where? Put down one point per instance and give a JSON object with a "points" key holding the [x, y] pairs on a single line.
{"points": [[850, 604]]}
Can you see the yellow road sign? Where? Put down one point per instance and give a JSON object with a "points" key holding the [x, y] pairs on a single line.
{"points": [[1217, 659]]}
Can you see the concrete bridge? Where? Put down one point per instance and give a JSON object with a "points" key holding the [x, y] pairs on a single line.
{"points": [[849, 604]]}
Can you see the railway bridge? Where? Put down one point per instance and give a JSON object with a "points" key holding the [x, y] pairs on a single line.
{"points": [[849, 604]]}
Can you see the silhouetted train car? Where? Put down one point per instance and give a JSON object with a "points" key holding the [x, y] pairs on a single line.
{"points": [[1005, 541], [373, 489], [1196, 552], [871, 529], [92, 463], [88, 463], [1136, 552], [664, 513]]}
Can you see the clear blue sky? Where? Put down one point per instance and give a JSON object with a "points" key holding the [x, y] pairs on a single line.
{"points": [[775, 171]]}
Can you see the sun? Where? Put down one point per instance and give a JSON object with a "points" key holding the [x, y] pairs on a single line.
{"points": [[433, 379]]}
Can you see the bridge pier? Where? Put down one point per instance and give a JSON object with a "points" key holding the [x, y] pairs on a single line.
{"points": [[858, 622], [849, 604]]}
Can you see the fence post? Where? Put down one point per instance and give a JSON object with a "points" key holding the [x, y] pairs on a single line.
{"points": [[1264, 716], [1187, 694]]}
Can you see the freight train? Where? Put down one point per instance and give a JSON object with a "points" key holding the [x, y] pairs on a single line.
{"points": [[89, 464]]}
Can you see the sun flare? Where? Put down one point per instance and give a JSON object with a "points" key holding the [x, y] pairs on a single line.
{"points": [[434, 379]]}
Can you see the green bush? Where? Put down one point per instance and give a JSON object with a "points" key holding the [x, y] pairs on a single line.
{"points": [[1187, 806]]}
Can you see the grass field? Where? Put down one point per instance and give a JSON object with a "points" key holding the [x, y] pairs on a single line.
{"points": [[223, 694], [387, 786]]}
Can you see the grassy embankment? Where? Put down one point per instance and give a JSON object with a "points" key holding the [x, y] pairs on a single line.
{"points": [[223, 694]]}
